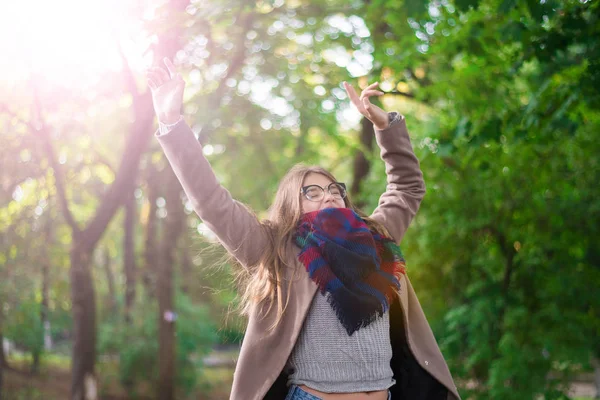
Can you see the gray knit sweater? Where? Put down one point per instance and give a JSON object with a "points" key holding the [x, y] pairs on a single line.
{"points": [[325, 358]]}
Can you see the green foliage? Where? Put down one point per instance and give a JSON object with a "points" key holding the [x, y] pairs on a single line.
{"points": [[196, 334], [137, 344], [503, 250], [25, 328]]}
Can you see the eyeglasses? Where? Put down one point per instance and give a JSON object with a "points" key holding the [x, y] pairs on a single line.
{"points": [[316, 192]]}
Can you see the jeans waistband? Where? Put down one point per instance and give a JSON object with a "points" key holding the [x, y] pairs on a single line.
{"points": [[296, 393]]}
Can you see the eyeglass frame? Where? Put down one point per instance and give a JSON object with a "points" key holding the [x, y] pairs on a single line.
{"points": [[303, 190]]}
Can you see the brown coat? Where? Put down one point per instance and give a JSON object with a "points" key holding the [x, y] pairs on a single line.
{"points": [[417, 362]]}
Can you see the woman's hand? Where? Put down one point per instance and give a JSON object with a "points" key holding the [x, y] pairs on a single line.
{"points": [[167, 92], [376, 115]]}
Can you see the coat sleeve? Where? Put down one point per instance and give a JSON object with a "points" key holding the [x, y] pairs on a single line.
{"points": [[405, 186], [236, 227]]}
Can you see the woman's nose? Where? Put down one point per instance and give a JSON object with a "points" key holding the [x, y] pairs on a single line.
{"points": [[328, 198]]}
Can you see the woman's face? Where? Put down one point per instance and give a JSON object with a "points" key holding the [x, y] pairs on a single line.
{"points": [[328, 201]]}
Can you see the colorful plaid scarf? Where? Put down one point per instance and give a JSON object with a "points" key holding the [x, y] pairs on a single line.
{"points": [[358, 268]]}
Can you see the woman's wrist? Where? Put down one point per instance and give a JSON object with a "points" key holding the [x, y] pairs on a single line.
{"points": [[169, 119], [392, 118], [164, 128]]}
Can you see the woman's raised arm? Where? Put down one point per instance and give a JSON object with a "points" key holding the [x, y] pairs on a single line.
{"points": [[405, 185], [236, 227]]}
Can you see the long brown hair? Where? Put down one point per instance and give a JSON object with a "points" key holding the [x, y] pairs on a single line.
{"points": [[263, 282]]}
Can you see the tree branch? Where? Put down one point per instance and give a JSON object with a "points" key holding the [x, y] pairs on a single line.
{"points": [[399, 93], [50, 153], [240, 55], [137, 140], [127, 73]]}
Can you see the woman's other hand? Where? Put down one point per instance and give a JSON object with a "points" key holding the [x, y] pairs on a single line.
{"points": [[167, 92], [376, 115]]}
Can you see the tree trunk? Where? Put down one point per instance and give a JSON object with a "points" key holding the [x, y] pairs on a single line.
{"points": [[150, 253], [84, 383], [174, 222], [301, 143], [46, 287], [36, 353], [129, 267], [110, 279], [2, 359], [2, 356], [84, 240], [361, 164], [596, 365], [129, 255], [35, 364], [186, 264]]}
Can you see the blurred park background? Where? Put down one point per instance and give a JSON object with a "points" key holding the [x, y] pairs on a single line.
{"points": [[107, 284]]}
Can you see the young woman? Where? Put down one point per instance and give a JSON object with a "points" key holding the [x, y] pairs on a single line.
{"points": [[331, 312]]}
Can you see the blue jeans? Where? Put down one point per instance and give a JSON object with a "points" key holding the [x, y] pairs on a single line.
{"points": [[296, 393]]}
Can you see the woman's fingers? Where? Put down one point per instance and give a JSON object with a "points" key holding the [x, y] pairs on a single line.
{"points": [[369, 93], [352, 94], [156, 72], [164, 74], [156, 78], [367, 106], [170, 67], [376, 115], [371, 86], [364, 105], [160, 76], [159, 73]]}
